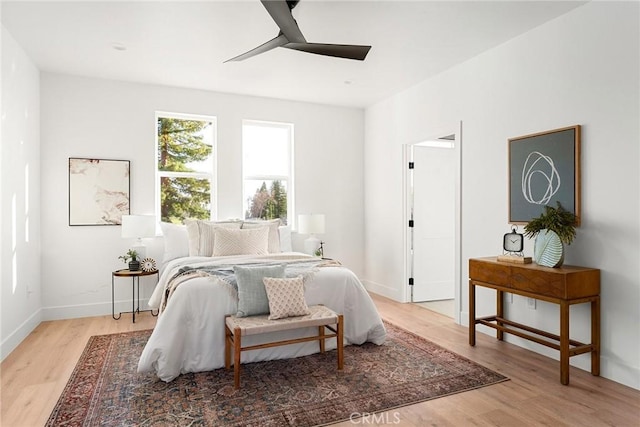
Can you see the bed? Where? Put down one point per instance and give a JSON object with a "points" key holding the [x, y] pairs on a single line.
{"points": [[195, 292]]}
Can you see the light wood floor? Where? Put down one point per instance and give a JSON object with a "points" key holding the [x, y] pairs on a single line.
{"points": [[34, 375]]}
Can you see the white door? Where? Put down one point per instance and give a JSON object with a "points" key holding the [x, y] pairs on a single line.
{"points": [[434, 212]]}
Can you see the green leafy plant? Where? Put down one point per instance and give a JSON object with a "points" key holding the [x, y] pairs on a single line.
{"points": [[558, 220], [130, 255]]}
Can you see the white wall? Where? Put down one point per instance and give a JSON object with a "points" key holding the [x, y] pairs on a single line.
{"points": [[20, 183], [562, 73], [86, 117]]}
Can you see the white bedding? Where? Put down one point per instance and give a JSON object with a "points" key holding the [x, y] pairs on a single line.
{"points": [[189, 334]]}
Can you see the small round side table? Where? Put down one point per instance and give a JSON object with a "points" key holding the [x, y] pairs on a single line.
{"points": [[135, 280]]}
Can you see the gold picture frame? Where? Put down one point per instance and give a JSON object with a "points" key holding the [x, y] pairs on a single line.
{"points": [[544, 169]]}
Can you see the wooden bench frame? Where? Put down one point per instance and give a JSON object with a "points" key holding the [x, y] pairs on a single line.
{"points": [[234, 333]]}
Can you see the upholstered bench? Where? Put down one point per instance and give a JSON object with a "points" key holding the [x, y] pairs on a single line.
{"points": [[320, 316]]}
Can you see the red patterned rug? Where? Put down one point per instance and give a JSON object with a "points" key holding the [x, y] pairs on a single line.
{"points": [[106, 390]]}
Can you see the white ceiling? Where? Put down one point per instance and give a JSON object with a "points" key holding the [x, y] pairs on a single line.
{"points": [[185, 43]]}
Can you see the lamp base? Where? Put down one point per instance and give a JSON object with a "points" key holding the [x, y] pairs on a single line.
{"points": [[141, 250], [311, 245]]}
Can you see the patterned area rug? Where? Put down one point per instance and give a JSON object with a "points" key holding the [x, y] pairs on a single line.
{"points": [[106, 390]]}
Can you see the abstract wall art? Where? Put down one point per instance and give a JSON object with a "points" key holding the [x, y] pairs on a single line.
{"points": [[99, 191], [544, 168]]}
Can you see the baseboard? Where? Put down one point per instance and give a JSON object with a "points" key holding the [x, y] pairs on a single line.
{"points": [[89, 310], [60, 313], [613, 370], [464, 318], [16, 337], [620, 372], [384, 290]]}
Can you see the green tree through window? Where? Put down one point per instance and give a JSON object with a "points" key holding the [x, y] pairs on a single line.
{"points": [[269, 203], [185, 168], [267, 169]]}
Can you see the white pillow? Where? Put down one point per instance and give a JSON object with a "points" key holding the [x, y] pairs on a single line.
{"points": [[230, 241], [202, 235], [272, 225], [284, 232], [176, 241]]}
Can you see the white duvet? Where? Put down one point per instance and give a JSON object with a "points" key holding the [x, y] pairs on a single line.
{"points": [[189, 334]]}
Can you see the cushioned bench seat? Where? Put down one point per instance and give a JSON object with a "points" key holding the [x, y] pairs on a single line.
{"points": [[320, 317]]}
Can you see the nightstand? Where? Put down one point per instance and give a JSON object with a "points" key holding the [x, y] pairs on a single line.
{"points": [[135, 282]]}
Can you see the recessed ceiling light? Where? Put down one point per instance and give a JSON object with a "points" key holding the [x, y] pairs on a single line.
{"points": [[118, 46]]}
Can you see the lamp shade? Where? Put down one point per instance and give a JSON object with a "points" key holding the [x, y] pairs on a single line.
{"points": [[311, 223], [138, 226]]}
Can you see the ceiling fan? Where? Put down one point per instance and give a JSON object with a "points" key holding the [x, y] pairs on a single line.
{"points": [[291, 37]]}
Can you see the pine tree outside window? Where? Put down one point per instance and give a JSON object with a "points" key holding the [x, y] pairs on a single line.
{"points": [[267, 163], [185, 179]]}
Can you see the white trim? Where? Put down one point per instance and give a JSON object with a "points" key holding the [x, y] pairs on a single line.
{"points": [[288, 179], [407, 156], [16, 337], [435, 144], [381, 289], [267, 177], [202, 175], [212, 177], [92, 310]]}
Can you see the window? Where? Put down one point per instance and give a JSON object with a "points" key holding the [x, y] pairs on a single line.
{"points": [[267, 157], [185, 179]]}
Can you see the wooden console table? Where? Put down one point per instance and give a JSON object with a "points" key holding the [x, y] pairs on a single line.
{"points": [[565, 286]]}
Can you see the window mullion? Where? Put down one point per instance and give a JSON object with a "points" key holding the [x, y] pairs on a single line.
{"points": [[171, 174], [184, 194]]}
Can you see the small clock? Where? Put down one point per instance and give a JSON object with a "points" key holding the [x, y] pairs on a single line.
{"points": [[513, 242], [148, 264]]}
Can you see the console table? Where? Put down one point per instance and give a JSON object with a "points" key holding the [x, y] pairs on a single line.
{"points": [[565, 286]]}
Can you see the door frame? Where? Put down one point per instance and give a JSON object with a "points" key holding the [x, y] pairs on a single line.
{"points": [[407, 156]]}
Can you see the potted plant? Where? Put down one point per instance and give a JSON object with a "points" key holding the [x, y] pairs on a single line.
{"points": [[131, 257], [552, 229]]}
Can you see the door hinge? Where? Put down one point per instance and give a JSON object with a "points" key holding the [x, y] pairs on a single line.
{"points": [[411, 165], [410, 281], [410, 223]]}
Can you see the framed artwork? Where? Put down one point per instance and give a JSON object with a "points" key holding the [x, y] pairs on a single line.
{"points": [[544, 168], [99, 191]]}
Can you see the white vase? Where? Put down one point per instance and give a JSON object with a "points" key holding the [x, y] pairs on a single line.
{"points": [[548, 249]]}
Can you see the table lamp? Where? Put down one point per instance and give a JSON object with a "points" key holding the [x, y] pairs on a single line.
{"points": [[311, 224], [138, 227]]}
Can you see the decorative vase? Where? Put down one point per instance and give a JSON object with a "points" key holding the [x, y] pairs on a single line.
{"points": [[548, 249], [134, 265]]}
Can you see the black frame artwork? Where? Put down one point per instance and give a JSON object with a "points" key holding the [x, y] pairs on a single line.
{"points": [[544, 168]]}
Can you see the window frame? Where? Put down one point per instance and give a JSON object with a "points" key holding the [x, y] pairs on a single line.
{"points": [[288, 179], [212, 177]]}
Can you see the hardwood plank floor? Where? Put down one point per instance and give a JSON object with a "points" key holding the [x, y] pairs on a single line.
{"points": [[34, 375]]}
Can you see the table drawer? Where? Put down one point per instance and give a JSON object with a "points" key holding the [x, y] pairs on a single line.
{"points": [[498, 274], [539, 282]]}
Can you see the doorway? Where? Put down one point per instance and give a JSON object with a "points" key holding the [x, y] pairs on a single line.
{"points": [[433, 223]]}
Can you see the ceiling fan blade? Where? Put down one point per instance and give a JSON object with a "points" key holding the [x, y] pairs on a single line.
{"points": [[348, 51], [281, 40], [291, 37], [281, 14]]}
